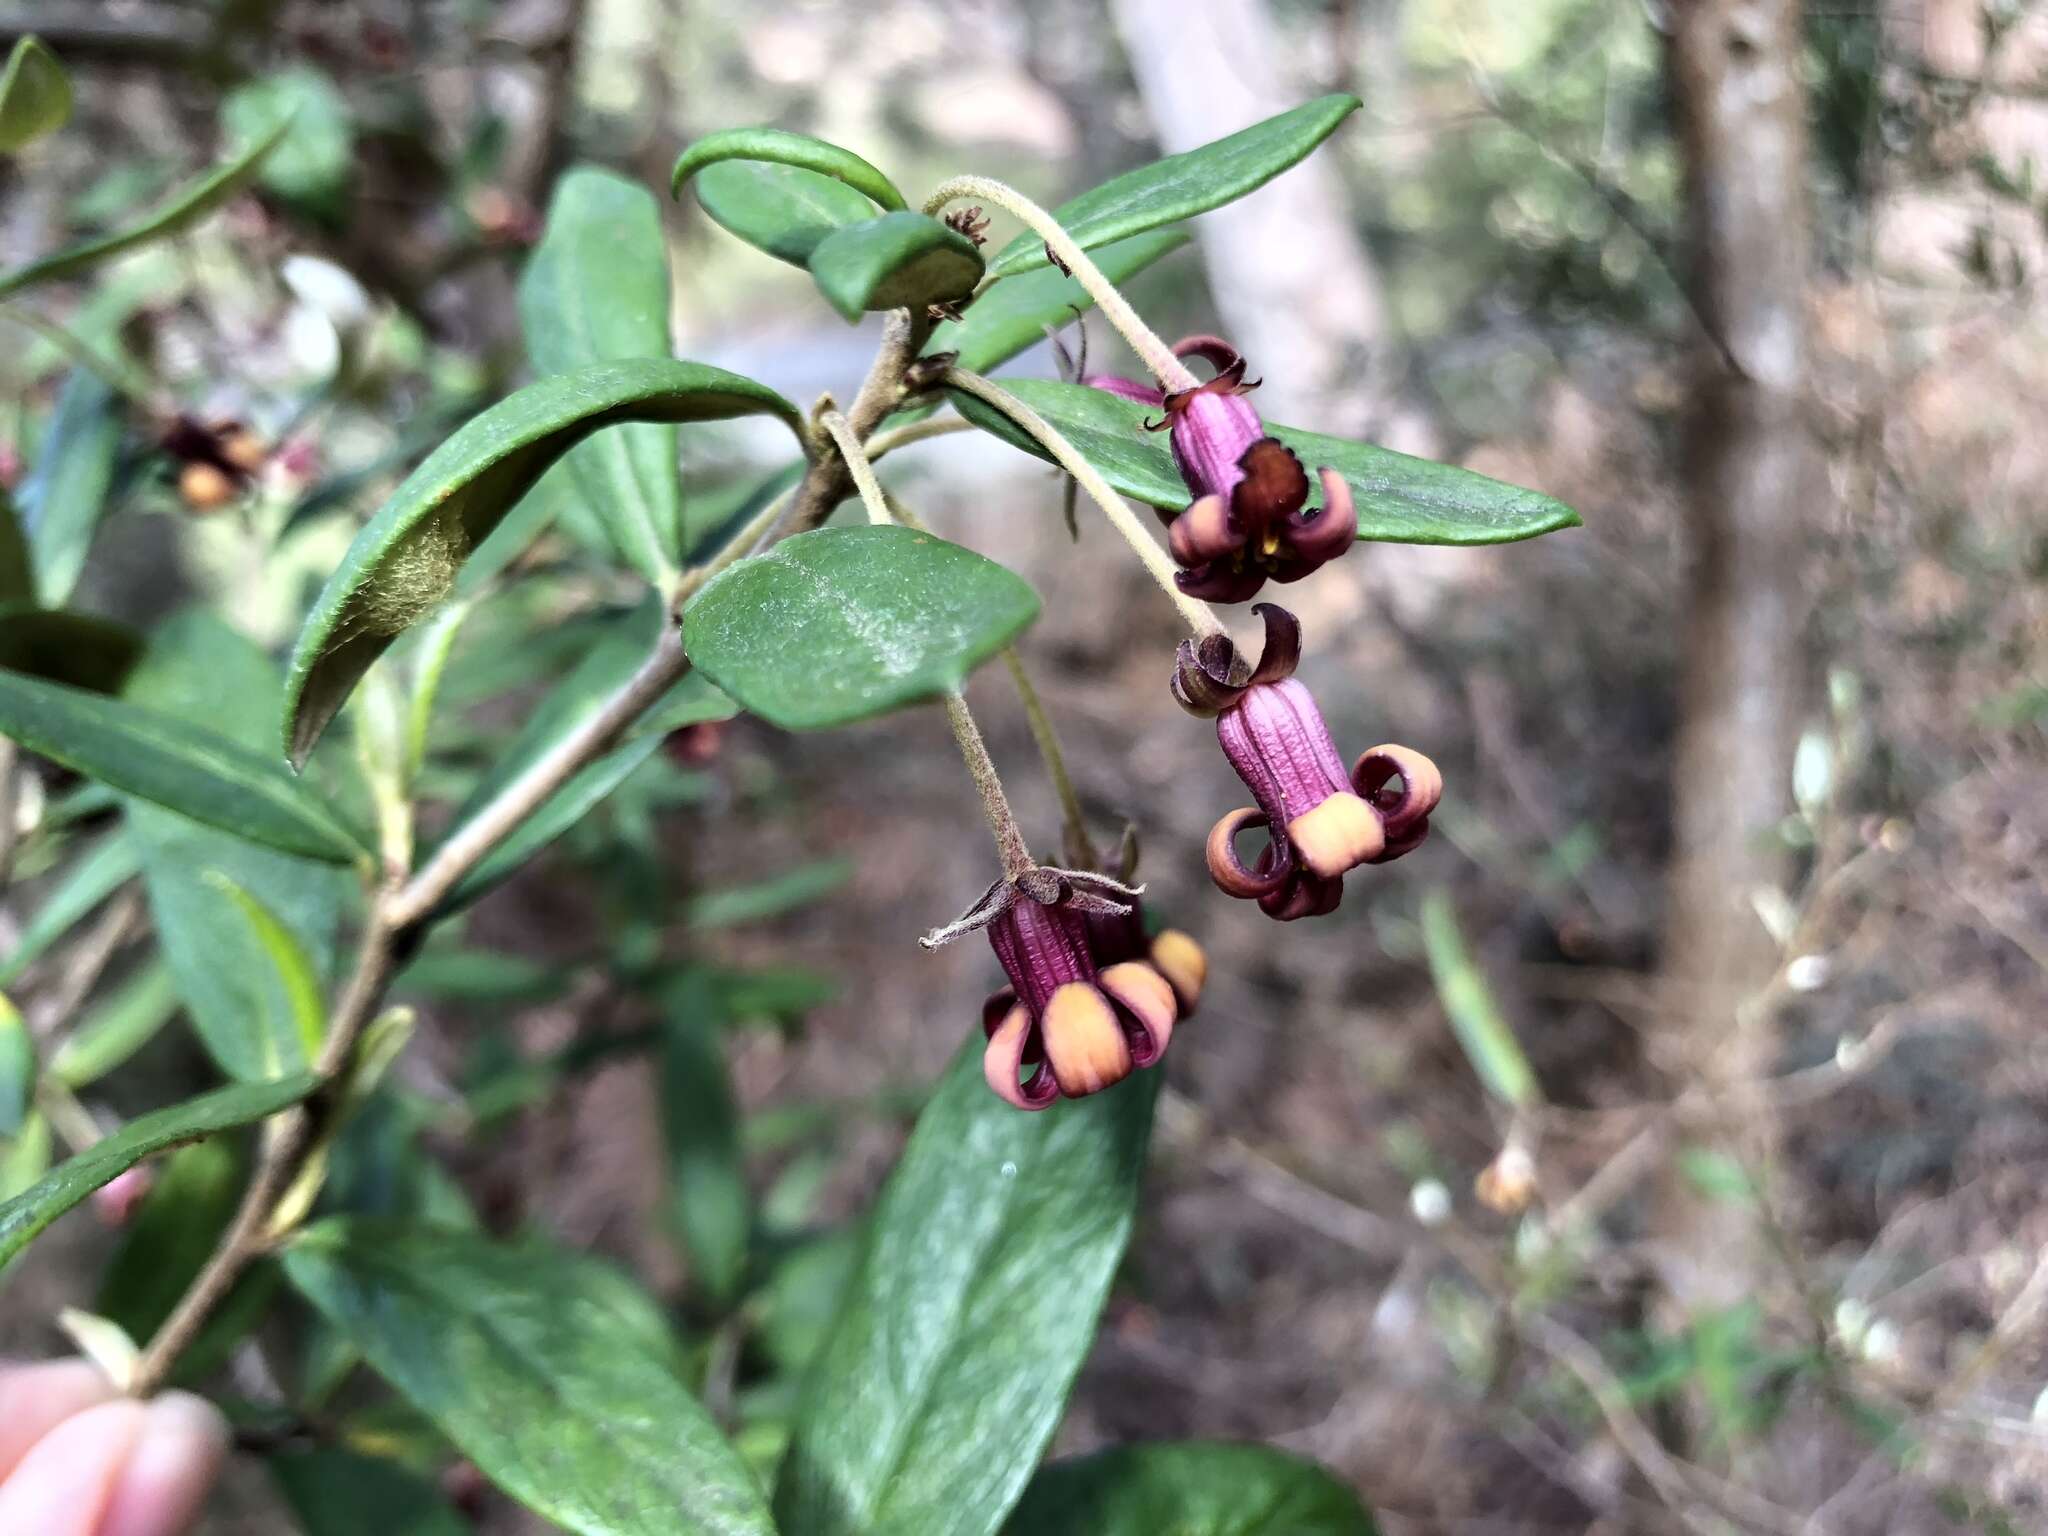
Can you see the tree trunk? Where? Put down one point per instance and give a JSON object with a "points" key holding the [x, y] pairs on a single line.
{"points": [[1295, 288], [1751, 471]]}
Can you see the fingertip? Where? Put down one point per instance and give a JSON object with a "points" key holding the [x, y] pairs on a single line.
{"points": [[179, 1454], [35, 1399], [64, 1484]]}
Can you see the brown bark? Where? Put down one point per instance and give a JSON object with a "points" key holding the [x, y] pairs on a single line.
{"points": [[1752, 475]]}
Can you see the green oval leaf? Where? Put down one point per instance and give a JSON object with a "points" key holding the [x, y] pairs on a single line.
{"points": [[338, 1493], [1011, 316], [989, 1256], [840, 624], [184, 767], [597, 290], [305, 1022], [404, 561], [74, 648], [782, 147], [115, 1028], [1190, 1489], [35, 95], [313, 160], [783, 210], [534, 1364], [899, 261], [211, 1113], [1180, 186], [66, 489], [1401, 500], [186, 206]]}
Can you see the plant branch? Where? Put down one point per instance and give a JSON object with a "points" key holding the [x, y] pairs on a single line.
{"points": [[1200, 617], [915, 432], [994, 804], [1079, 851], [1170, 371]]}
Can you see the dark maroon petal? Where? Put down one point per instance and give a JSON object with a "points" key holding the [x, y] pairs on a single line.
{"points": [[1271, 487], [1145, 1007], [1217, 353], [1321, 534], [1041, 948], [1206, 531], [1201, 676], [1282, 650], [1306, 895], [1221, 581], [1416, 835], [1013, 1045], [1232, 878], [998, 1003], [1127, 389]]}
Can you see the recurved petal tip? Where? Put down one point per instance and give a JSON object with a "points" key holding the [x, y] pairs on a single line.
{"points": [[1149, 999], [1282, 651], [1325, 533], [1228, 870], [1183, 963], [1206, 531], [1339, 834], [1128, 389], [1002, 1064], [1405, 808], [1084, 1042]]}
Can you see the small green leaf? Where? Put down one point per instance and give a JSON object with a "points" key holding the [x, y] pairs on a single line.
{"points": [[211, 1113], [1483, 1034], [782, 147], [1188, 1489], [404, 561], [596, 290], [313, 160], [66, 489], [183, 767], [541, 1367], [17, 1071], [626, 642], [761, 899], [339, 1493], [185, 207], [307, 1021], [35, 95], [1401, 500], [480, 976], [1013, 315], [899, 261], [116, 1027], [94, 876], [74, 648], [23, 1160], [840, 624], [707, 1181], [1180, 186], [783, 210], [989, 1256]]}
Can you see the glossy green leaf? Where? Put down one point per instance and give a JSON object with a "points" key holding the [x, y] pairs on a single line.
{"points": [[74, 648], [17, 1071], [480, 976], [1188, 1489], [187, 206], [35, 95], [211, 1113], [761, 899], [840, 624], [899, 261], [313, 160], [804, 1296], [23, 1160], [596, 290], [782, 147], [404, 561], [534, 1364], [1180, 186], [17, 571], [243, 1007], [624, 644], [1401, 500], [339, 1493], [783, 210], [66, 489], [94, 876], [1014, 314], [707, 1187], [115, 1027], [989, 1256], [181, 766]]}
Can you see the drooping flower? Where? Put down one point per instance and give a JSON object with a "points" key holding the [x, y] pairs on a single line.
{"points": [[1320, 820], [1114, 938], [1250, 518], [1065, 1025]]}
